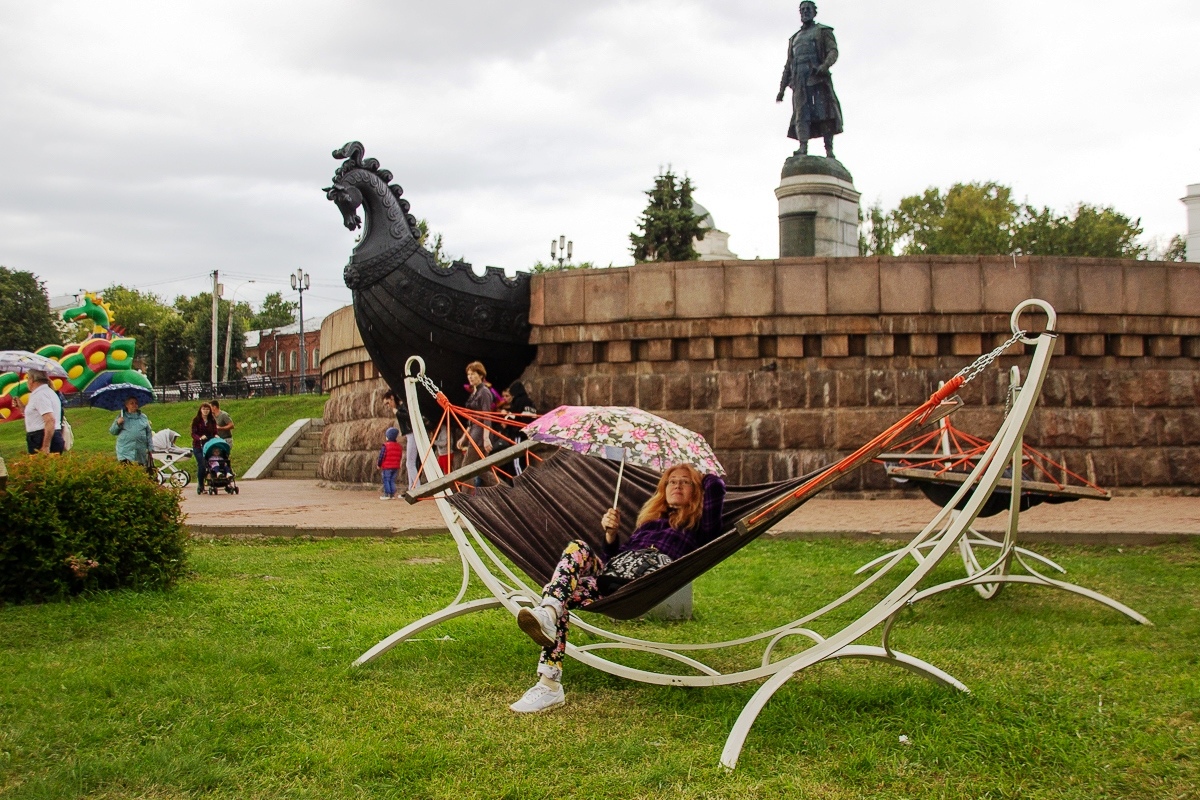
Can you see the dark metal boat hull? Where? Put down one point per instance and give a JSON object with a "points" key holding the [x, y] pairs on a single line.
{"points": [[449, 317], [406, 305]]}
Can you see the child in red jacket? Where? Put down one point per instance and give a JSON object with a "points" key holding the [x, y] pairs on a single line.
{"points": [[391, 456]]}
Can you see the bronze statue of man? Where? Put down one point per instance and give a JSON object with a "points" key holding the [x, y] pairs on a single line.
{"points": [[816, 112]]}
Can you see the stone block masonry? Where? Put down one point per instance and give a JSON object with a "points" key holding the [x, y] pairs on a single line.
{"points": [[785, 365]]}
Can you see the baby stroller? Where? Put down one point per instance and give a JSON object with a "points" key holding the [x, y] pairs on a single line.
{"points": [[218, 472], [166, 455]]}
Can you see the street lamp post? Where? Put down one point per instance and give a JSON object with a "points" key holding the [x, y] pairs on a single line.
{"points": [[563, 248], [300, 284], [229, 329]]}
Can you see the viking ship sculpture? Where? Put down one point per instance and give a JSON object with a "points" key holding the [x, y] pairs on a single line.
{"points": [[405, 304]]}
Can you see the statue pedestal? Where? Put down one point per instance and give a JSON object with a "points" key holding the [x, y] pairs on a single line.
{"points": [[818, 208]]}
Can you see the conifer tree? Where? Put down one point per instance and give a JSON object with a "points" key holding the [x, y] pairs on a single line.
{"points": [[668, 224]]}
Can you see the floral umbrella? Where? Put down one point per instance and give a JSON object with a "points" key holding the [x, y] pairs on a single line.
{"points": [[625, 434], [21, 361]]}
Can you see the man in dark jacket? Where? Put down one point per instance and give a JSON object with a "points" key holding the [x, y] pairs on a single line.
{"points": [[816, 112]]}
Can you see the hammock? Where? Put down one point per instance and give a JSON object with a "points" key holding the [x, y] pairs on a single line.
{"points": [[564, 497], [532, 521]]}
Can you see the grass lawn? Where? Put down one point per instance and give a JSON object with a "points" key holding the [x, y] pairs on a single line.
{"points": [[256, 424], [237, 684]]}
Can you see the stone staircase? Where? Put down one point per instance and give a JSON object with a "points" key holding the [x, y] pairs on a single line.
{"points": [[302, 458]]}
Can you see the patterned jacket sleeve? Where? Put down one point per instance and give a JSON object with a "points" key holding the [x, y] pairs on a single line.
{"points": [[714, 505]]}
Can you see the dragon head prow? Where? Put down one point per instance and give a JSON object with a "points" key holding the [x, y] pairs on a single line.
{"points": [[93, 308], [346, 192]]}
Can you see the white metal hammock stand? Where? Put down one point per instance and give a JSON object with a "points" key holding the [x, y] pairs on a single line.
{"points": [[989, 580], [927, 549]]}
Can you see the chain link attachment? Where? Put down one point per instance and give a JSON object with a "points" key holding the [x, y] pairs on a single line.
{"points": [[973, 369], [414, 369], [429, 385]]}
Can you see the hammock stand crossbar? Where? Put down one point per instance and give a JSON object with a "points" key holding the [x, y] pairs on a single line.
{"points": [[508, 590]]}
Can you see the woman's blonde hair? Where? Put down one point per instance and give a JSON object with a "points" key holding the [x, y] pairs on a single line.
{"points": [[477, 366], [683, 518]]}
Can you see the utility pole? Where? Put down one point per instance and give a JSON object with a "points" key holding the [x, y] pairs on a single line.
{"points": [[216, 295]]}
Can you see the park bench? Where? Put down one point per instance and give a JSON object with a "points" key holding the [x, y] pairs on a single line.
{"points": [[190, 390], [259, 384]]}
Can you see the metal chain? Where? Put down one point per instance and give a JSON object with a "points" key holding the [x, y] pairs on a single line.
{"points": [[983, 362], [429, 385]]}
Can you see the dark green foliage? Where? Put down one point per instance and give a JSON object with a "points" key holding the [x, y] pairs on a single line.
{"points": [[433, 243], [274, 313], [197, 332], [174, 356], [1176, 249], [877, 231], [983, 219], [74, 523], [25, 321], [668, 225], [1091, 231], [554, 266], [146, 317]]}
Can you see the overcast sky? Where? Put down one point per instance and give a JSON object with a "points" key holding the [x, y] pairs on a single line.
{"points": [[149, 143]]}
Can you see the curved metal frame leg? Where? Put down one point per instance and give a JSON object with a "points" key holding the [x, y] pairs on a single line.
{"points": [[428, 621], [741, 728]]}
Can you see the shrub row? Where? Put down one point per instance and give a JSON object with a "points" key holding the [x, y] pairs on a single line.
{"points": [[75, 523]]}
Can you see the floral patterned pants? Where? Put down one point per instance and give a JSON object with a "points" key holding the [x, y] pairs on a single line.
{"points": [[573, 584]]}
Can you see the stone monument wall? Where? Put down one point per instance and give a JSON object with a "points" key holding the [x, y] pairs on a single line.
{"points": [[785, 365], [354, 416]]}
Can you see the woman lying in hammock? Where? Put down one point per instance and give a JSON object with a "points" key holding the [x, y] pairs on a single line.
{"points": [[683, 513]]}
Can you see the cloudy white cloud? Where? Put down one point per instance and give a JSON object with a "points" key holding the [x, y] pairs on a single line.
{"points": [[149, 143]]}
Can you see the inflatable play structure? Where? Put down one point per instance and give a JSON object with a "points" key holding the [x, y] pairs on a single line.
{"points": [[104, 358]]}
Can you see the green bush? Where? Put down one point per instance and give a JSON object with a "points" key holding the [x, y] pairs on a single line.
{"points": [[72, 523]]}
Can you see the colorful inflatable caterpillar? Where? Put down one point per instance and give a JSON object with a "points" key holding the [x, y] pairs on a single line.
{"points": [[90, 364]]}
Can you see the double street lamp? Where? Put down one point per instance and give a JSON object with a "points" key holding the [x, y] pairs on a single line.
{"points": [[300, 283]]}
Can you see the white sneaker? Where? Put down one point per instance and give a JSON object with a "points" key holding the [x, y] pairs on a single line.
{"points": [[540, 624], [384, 497], [539, 698]]}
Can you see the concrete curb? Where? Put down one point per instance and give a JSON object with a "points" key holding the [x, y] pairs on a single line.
{"points": [[273, 454], [315, 532], [1108, 538], [1119, 538]]}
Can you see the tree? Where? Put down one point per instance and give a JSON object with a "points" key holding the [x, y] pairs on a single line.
{"points": [[877, 232], [25, 320], [554, 266], [433, 243], [132, 309], [970, 219], [983, 219], [174, 356], [668, 225], [1092, 231], [1172, 249], [1176, 250], [196, 312], [275, 312]]}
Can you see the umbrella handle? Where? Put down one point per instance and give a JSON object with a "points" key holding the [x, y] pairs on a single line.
{"points": [[620, 474]]}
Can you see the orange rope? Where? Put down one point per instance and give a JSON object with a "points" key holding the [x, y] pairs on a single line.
{"points": [[1044, 468], [917, 415]]}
